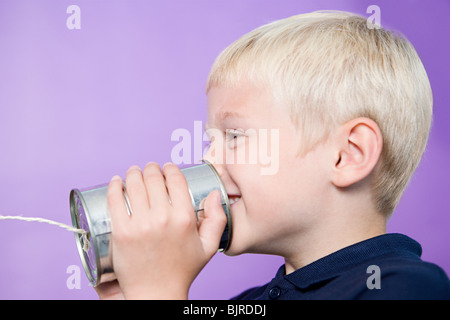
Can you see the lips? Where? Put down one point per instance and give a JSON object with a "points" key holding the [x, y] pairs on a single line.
{"points": [[233, 198]]}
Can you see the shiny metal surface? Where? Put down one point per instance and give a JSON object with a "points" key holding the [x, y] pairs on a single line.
{"points": [[89, 211]]}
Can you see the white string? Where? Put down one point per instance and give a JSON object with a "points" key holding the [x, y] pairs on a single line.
{"points": [[59, 224]]}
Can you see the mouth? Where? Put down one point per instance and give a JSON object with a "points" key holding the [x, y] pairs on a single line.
{"points": [[233, 199]]}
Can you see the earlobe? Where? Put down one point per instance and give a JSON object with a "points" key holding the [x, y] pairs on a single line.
{"points": [[358, 146]]}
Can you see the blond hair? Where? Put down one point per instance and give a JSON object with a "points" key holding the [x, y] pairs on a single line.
{"points": [[331, 67]]}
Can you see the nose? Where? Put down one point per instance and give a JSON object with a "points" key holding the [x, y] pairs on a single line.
{"points": [[217, 163], [215, 156]]}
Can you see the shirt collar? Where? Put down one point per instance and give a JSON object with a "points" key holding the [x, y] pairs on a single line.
{"points": [[333, 265]]}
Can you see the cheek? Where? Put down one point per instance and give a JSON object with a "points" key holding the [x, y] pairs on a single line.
{"points": [[263, 194]]}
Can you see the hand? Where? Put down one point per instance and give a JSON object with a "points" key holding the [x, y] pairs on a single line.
{"points": [[160, 249]]}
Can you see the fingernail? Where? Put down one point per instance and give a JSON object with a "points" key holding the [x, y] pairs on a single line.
{"points": [[167, 164], [116, 178], [135, 167], [151, 163]]}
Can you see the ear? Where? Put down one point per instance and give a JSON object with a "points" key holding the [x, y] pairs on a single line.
{"points": [[358, 145]]}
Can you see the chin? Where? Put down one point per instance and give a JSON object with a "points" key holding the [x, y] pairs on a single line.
{"points": [[240, 246], [231, 252], [236, 248]]}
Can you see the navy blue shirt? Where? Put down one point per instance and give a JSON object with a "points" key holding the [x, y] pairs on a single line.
{"points": [[384, 267]]}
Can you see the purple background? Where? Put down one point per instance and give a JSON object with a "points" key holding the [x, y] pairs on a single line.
{"points": [[78, 106]]}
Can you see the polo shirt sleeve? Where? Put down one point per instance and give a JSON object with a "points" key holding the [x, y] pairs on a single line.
{"points": [[415, 281]]}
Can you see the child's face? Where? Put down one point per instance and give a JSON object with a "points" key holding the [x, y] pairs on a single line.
{"points": [[280, 194]]}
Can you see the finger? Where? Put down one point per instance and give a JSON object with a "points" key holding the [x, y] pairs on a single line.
{"points": [[213, 224], [155, 184], [177, 186], [136, 191], [116, 203], [109, 291]]}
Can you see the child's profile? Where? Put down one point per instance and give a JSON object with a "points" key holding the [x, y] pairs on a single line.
{"points": [[352, 109]]}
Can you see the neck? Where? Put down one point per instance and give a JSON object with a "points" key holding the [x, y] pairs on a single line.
{"points": [[338, 233]]}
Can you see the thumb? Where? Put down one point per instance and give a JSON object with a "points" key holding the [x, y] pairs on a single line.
{"points": [[213, 224]]}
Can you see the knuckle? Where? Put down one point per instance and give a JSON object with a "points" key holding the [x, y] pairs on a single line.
{"points": [[162, 221], [186, 219], [121, 235], [173, 174], [145, 230], [152, 176], [176, 177]]}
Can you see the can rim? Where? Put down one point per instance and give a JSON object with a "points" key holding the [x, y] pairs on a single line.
{"points": [[227, 204], [75, 223]]}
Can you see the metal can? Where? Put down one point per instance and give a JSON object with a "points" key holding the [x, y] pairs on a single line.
{"points": [[89, 211]]}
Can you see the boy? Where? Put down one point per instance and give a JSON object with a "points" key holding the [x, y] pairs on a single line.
{"points": [[352, 108]]}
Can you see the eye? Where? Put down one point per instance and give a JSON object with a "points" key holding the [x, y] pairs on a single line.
{"points": [[232, 133], [232, 136]]}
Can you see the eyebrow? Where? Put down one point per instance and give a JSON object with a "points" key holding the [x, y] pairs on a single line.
{"points": [[229, 114], [221, 117]]}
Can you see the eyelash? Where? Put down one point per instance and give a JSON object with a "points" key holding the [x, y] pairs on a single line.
{"points": [[234, 133], [231, 138]]}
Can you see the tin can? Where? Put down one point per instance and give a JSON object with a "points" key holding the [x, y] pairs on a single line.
{"points": [[89, 211]]}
